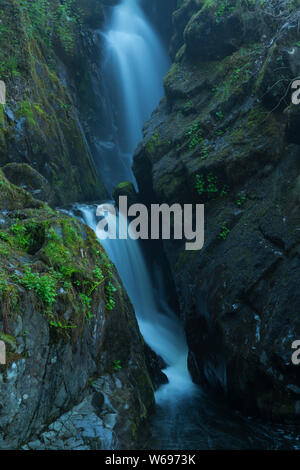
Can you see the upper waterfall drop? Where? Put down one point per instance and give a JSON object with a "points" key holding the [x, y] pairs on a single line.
{"points": [[134, 67]]}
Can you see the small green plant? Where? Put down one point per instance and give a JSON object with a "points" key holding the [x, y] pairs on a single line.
{"points": [[225, 190], [4, 236], [192, 130], [205, 149], [200, 184], [3, 284], [108, 267], [212, 183], [45, 285], [195, 134], [98, 273], [12, 66], [224, 231], [109, 292], [220, 115], [58, 324], [25, 111], [20, 235], [86, 302], [3, 250], [117, 365], [188, 105], [196, 140], [224, 7], [210, 186], [241, 200], [236, 75]]}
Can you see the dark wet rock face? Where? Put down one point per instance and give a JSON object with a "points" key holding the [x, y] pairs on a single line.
{"points": [[160, 15], [155, 364], [208, 39], [226, 135]]}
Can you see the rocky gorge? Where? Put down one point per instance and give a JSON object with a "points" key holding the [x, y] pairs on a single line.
{"points": [[76, 360], [227, 135], [79, 374]]}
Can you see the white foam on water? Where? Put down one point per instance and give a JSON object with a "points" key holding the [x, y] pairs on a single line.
{"points": [[159, 326]]}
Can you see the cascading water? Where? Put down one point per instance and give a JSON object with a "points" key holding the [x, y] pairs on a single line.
{"points": [[160, 328], [134, 65], [185, 417]]}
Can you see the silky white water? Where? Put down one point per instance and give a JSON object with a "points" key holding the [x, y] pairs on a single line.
{"points": [[134, 66], [159, 326], [185, 418]]}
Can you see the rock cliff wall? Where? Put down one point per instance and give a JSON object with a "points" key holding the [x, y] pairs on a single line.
{"points": [[48, 51], [225, 134]]}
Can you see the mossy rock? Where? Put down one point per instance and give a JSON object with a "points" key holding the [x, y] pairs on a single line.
{"points": [[219, 28], [125, 189], [39, 124], [23, 175]]}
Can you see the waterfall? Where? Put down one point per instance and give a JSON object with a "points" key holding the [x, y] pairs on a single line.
{"points": [[134, 65], [159, 326], [185, 417]]}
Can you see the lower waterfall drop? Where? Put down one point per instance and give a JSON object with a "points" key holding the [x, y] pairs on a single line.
{"points": [[159, 326]]}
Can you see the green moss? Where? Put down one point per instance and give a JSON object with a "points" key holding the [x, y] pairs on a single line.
{"points": [[224, 232], [25, 110], [145, 388], [45, 285], [209, 186], [9, 340], [263, 69], [153, 143], [31, 33], [73, 266]]}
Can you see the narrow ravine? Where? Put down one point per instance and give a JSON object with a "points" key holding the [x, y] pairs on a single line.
{"points": [[135, 65], [185, 418]]}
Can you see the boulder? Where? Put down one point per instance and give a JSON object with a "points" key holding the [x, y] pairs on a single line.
{"points": [[23, 175], [64, 335]]}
